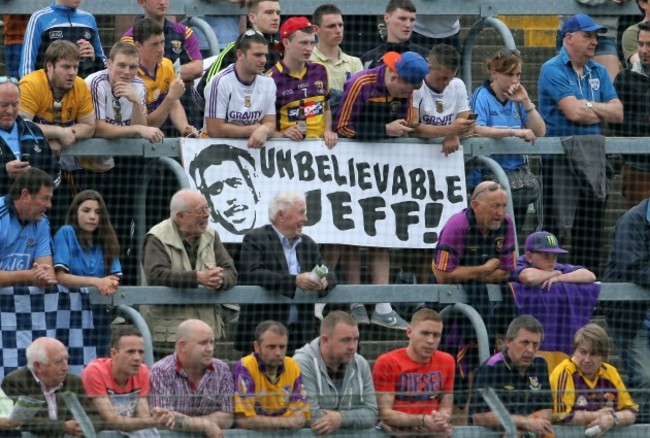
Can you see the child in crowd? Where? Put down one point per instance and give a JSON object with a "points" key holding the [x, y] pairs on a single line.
{"points": [[539, 266], [86, 255]]}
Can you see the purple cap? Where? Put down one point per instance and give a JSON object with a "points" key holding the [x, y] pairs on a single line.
{"points": [[543, 241], [581, 22]]}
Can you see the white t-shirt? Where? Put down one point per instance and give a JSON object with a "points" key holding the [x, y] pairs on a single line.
{"points": [[231, 100], [111, 109], [436, 26], [106, 107], [440, 109]]}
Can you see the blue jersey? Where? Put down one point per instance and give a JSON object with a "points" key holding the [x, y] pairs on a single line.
{"points": [[558, 80], [497, 114], [58, 22], [21, 243], [70, 256]]}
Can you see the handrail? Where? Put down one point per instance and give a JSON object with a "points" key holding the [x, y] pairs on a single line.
{"points": [[481, 8], [473, 146], [343, 294]]}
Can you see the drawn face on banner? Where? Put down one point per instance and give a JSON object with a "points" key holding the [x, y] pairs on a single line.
{"points": [[223, 175]]}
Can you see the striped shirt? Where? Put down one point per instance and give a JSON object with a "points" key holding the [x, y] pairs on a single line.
{"points": [[171, 388], [366, 107]]}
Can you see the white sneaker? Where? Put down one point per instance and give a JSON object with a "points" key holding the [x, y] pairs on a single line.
{"points": [[390, 320]]}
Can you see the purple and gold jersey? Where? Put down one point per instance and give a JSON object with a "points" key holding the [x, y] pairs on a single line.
{"points": [[311, 87], [256, 394], [157, 83], [573, 391]]}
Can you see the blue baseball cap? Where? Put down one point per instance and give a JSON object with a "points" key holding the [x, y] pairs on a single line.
{"points": [[543, 241], [581, 22], [410, 66]]}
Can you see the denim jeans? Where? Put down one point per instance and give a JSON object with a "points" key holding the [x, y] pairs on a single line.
{"points": [[636, 359]]}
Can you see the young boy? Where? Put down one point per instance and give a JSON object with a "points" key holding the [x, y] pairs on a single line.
{"points": [[539, 267]]}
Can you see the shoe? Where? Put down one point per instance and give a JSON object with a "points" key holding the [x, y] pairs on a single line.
{"points": [[390, 320], [359, 313], [318, 313]]}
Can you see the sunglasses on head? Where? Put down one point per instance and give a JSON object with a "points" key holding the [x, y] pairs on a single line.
{"points": [[5, 79], [490, 188], [506, 52]]}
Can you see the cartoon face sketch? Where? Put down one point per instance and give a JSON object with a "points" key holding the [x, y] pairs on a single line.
{"points": [[223, 174]]}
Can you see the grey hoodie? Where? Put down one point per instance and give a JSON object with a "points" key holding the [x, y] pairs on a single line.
{"points": [[356, 402]]}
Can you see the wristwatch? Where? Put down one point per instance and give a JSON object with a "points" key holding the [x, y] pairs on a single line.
{"points": [[530, 109], [589, 104], [616, 419]]}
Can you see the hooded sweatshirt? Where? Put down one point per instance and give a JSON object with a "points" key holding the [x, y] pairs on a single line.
{"points": [[356, 400]]}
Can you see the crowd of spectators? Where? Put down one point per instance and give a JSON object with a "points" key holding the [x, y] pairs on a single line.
{"points": [[304, 86]]}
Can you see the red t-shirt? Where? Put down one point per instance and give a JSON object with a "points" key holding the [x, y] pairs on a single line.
{"points": [[98, 381], [418, 387]]}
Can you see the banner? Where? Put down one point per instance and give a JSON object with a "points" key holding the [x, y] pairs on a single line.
{"points": [[396, 195]]}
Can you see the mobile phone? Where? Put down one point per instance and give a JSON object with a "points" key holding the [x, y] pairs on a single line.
{"points": [[24, 157], [472, 116]]}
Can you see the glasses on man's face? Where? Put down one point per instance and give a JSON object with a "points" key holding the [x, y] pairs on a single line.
{"points": [[506, 52], [117, 110], [200, 210], [490, 188], [57, 110], [5, 79]]}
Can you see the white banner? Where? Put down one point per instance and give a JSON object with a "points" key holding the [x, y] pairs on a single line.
{"points": [[366, 194]]}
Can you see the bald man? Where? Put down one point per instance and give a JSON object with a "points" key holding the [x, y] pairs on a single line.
{"points": [[46, 378], [194, 384]]}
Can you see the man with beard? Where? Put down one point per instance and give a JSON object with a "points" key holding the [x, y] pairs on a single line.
{"points": [[264, 17], [520, 379], [192, 383], [337, 379], [269, 392]]}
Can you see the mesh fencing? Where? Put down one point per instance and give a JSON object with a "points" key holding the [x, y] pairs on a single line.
{"points": [[562, 308]]}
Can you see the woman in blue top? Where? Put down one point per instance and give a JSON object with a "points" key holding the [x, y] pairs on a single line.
{"points": [[86, 255], [504, 109]]}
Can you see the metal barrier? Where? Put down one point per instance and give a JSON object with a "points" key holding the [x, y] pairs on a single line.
{"points": [[482, 8], [452, 295]]}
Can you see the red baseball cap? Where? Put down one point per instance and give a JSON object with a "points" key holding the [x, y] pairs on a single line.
{"points": [[292, 25]]}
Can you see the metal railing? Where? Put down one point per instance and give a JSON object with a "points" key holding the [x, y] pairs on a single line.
{"points": [[483, 8]]}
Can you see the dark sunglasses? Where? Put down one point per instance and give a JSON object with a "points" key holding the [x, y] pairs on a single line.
{"points": [[506, 52]]}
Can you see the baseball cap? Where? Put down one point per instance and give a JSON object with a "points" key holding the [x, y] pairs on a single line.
{"points": [[581, 22], [409, 66], [543, 241], [292, 25]]}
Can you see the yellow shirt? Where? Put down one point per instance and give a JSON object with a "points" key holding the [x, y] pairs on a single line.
{"points": [[36, 98]]}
